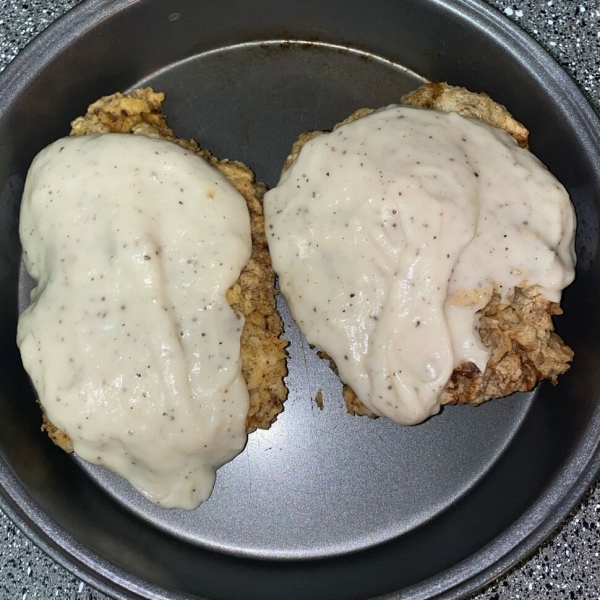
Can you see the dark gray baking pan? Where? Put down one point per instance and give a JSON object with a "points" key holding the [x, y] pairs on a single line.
{"points": [[324, 505]]}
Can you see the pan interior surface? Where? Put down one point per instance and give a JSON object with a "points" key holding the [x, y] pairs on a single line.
{"points": [[323, 505], [329, 482]]}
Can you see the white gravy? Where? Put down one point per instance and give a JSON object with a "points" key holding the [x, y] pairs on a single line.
{"points": [[389, 235], [129, 340]]}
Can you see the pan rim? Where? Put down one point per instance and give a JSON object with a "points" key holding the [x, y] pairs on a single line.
{"points": [[516, 542]]}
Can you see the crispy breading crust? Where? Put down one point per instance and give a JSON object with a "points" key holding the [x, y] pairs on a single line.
{"points": [[443, 97], [253, 294], [61, 439], [518, 332], [524, 350], [448, 98]]}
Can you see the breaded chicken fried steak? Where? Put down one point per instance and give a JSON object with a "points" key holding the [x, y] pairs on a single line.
{"points": [[425, 249], [152, 337]]}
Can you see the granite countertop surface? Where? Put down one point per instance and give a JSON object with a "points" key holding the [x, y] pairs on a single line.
{"points": [[568, 564]]}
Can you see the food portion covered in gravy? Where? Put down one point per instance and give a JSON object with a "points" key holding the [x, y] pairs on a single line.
{"points": [[129, 339], [391, 234], [152, 337]]}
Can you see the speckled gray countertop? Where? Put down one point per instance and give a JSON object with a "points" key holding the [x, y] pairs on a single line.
{"points": [[568, 564]]}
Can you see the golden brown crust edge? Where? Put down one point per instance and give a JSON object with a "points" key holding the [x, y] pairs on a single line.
{"points": [[61, 439], [524, 350], [449, 98], [253, 294], [519, 332]]}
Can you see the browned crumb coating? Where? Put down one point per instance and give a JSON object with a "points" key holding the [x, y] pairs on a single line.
{"points": [[60, 438], [519, 332], [253, 294], [448, 98], [524, 350]]}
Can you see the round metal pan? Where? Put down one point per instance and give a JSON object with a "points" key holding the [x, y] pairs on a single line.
{"points": [[323, 505]]}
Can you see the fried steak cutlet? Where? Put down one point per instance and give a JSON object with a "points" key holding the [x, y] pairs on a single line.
{"points": [[253, 294], [519, 333]]}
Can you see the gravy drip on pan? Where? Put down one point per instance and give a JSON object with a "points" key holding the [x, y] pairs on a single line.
{"points": [[129, 340], [389, 235]]}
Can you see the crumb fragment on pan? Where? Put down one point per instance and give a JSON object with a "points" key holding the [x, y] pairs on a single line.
{"points": [[253, 294], [319, 399], [519, 332]]}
